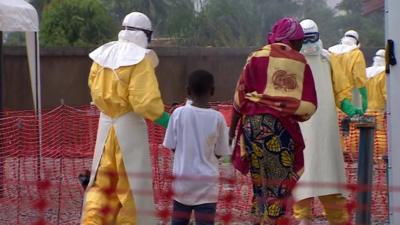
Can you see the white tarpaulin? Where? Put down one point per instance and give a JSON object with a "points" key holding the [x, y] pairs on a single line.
{"points": [[392, 33], [18, 15]]}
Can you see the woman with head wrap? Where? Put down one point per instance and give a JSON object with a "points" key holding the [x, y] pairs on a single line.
{"points": [[124, 87], [275, 91]]}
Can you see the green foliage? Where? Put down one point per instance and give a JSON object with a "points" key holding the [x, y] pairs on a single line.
{"points": [[319, 11], [39, 5], [236, 23], [369, 27], [76, 23], [156, 10], [220, 23], [181, 20]]}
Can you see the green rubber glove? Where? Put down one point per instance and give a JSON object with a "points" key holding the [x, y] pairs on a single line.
{"points": [[163, 120], [349, 109], [364, 97]]}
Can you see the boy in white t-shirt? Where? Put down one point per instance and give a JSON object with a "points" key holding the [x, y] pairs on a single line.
{"points": [[198, 136]]}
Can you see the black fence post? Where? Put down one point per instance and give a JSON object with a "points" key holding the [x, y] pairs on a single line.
{"points": [[366, 125]]}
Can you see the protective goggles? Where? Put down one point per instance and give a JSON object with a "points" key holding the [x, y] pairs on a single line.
{"points": [[149, 33], [311, 37]]}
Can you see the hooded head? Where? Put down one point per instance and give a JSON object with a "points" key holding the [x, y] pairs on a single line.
{"points": [[350, 38], [379, 58], [136, 28], [312, 45], [131, 47], [288, 31]]}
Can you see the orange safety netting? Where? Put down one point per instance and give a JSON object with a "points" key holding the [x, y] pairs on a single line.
{"points": [[39, 176]]}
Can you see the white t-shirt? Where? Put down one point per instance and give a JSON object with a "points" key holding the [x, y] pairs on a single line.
{"points": [[197, 135]]}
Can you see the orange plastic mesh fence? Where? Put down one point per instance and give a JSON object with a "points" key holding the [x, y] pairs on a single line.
{"points": [[39, 176]]}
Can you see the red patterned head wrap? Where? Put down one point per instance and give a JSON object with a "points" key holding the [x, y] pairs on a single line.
{"points": [[285, 30]]}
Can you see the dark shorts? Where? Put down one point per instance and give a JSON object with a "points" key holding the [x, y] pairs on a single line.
{"points": [[204, 214]]}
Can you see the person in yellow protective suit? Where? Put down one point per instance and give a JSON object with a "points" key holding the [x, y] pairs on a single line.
{"points": [[376, 88], [348, 72], [124, 87], [324, 174], [376, 84]]}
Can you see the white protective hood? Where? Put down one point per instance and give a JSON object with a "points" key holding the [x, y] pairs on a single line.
{"points": [[379, 64], [374, 70], [347, 43], [131, 47], [342, 48], [121, 53]]}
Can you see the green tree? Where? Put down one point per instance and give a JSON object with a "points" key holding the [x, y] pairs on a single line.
{"points": [[39, 5], [182, 21], [237, 23], [156, 10], [79, 23], [319, 12], [370, 27]]}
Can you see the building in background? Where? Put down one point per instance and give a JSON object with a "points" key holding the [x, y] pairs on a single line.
{"points": [[372, 5], [333, 3]]}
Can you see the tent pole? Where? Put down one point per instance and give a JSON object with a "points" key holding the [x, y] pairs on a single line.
{"points": [[1, 70], [1, 111], [39, 105]]}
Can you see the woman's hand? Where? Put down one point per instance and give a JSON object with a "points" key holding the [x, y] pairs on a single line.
{"points": [[232, 130]]}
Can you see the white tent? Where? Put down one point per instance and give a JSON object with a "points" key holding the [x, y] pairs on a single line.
{"points": [[18, 15]]}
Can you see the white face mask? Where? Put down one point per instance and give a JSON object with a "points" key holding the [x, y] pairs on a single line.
{"points": [[137, 37], [349, 41], [312, 48]]}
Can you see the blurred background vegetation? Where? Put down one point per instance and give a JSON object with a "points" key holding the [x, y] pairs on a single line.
{"points": [[215, 23]]}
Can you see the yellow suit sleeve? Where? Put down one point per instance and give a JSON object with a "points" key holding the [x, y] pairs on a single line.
{"points": [[144, 95], [382, 88], [340, 82], [359, 69], [92, 74]]}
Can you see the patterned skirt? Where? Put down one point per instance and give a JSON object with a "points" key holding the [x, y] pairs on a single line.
{"points": [[270, 149]]}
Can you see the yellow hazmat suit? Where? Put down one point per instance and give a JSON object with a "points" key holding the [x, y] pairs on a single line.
{"points": [[135, 89], [124, 87], [376, 87], [348, 72]]}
